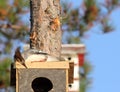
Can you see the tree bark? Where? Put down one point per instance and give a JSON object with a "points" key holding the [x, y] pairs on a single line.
{"points": [[45, 33]]}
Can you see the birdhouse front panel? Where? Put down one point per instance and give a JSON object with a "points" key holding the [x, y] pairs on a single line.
{"points": [[56, 76], [43, 79]]}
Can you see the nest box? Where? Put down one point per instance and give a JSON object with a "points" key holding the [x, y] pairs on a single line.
{"points": [[42, 77]]}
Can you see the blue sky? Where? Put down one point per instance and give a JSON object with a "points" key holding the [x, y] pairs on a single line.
{"points": [[104, 54]]}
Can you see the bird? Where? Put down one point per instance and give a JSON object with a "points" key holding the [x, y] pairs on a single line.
{"points": [[19, 58]]}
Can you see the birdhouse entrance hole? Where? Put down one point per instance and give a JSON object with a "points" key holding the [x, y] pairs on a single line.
{"points": [[41, 84]]}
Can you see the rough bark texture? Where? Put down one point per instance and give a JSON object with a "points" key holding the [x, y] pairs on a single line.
{"points": [[45, 32]]}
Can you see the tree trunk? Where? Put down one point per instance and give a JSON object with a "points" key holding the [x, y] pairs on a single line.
{"points": [[45, 33]]}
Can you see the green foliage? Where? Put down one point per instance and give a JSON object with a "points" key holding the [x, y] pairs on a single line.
{"points": [[85, 80], [90, 3], [87, 16], [11, 25], [21, 3], [73, 39], [83, 85], [12, 28], [5, 71], [87, 67], [3, 3]]}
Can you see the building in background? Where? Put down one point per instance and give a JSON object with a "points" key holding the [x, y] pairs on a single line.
{"points": [[74, 53]]}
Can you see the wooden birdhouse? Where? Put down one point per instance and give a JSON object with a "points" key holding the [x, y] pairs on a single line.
{"points": [[42, 77]]}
